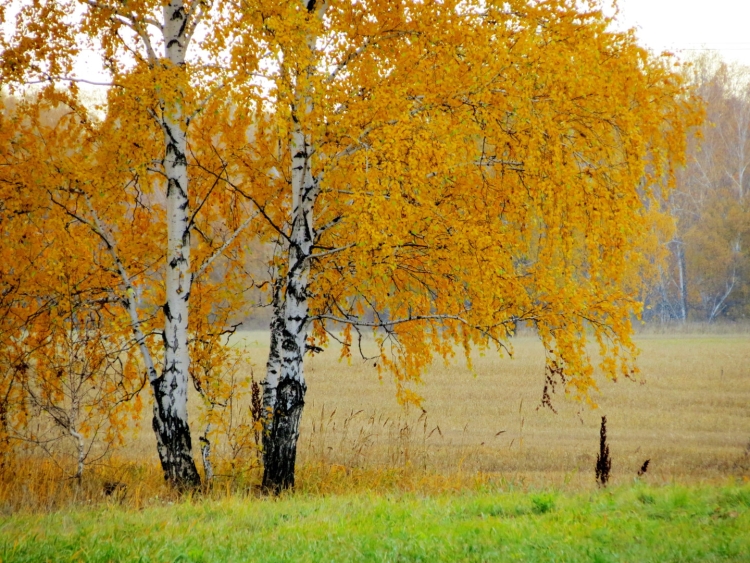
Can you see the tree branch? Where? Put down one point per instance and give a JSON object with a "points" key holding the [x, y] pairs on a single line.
{"points": [[129, 301], [261, 208], [219, 251], [329, 252], [349, 58]]}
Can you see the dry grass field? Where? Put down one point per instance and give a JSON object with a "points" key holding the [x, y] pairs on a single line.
{"points": [[690, 416]]}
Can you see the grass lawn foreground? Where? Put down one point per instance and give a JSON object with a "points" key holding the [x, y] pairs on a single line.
{"points": [[628, 523]]}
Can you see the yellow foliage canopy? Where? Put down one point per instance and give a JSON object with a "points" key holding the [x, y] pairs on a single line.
{"points": [[478, 164]]}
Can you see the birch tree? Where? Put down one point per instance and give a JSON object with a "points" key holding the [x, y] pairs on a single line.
{"points": [[131, 184], [435, 173]]}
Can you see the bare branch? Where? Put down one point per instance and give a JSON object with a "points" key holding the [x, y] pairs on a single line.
{"points": [[219, 251], [329, 252], [349, 58], [50, 78]]}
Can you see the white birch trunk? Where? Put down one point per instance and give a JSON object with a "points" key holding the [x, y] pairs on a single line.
{"points": [[77, 436], [683, 282], [170, 389], [284, 386]]}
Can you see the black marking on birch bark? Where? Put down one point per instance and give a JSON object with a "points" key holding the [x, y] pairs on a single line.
{"points": [[167, 312], [179, 13], [289, 345], [174, 42], [179, 259], [310, 6], [298, 293]]}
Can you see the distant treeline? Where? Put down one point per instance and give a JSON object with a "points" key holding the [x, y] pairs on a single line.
{"points": [[706, 276]]}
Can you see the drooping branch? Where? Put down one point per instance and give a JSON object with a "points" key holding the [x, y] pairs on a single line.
{"points": [[389, 324]]}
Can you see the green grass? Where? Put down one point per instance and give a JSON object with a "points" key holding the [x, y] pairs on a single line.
{"points": [[630, 523]]}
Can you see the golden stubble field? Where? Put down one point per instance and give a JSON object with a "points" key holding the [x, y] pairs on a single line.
{"points": [[689, 414]]}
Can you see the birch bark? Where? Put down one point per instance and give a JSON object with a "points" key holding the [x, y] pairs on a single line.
{"points": [[170, 420], [284, 386], [683, 282]]}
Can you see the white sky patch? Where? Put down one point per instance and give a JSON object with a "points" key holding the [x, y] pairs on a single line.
{"points": [[684, 27], [687, 27]]}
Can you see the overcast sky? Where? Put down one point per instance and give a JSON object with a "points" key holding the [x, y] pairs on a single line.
{"points": [[681, 26], [687, 25]]}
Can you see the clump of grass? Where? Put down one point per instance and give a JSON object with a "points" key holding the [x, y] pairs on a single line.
{"points": [[39, 485], [542, 503], [644, 468]]}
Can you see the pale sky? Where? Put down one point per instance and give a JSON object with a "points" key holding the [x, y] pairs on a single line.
{"points": [[681, 26], [684, 26]]}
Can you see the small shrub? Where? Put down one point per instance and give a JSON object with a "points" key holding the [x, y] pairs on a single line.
{"points": [[542, 503], [646, 498]]}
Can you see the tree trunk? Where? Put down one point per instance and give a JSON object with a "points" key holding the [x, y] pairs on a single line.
{"points": [[170, 390], [284, 387], [683, 282]]}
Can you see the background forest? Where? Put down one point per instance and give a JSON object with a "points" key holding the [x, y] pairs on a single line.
{"points": [[707, 272]]}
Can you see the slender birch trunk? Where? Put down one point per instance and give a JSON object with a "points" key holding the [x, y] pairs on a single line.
{"points": [[170, 420], [75, 408], [284, 386], [683, 282]]}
